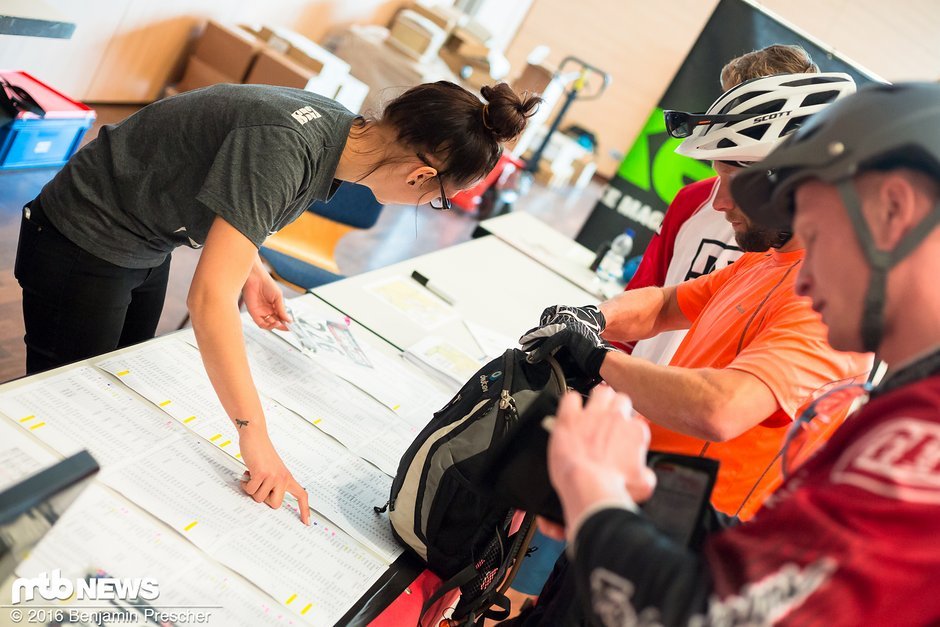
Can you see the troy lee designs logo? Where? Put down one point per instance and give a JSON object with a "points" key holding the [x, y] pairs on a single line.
{"points": [[758, 603], [305, 114], [899, 460]]}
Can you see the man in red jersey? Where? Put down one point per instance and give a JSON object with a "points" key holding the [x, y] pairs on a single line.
{"points": [[849, 537]]}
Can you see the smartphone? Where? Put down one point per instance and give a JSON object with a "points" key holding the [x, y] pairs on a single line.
{"points": [[683, 489]]}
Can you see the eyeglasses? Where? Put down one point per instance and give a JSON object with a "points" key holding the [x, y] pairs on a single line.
{"points": [[442, 203], [819, 418], [680, 124], [14, 99]]}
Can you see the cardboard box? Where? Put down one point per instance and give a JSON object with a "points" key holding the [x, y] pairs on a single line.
{"points": [[229, 50], [473, 71], [201, 74], [273, 68], [534, 79], [329, 70], [267, 35], [416, 36], [447, 18], [469, 40]]}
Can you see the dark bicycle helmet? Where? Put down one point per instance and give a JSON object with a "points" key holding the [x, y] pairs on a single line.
{"points": [[881, 127]]}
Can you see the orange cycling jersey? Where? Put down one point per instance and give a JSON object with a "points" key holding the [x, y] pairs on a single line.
{"points": [[748, 317]]}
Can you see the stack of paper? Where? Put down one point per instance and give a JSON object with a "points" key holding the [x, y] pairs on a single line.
{"points": [[441, 358]]}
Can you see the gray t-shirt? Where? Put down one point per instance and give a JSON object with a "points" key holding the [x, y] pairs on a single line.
{"points": [[255, 155]]}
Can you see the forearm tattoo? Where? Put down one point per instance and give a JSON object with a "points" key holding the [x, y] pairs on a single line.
{"points": [[241, 423]]}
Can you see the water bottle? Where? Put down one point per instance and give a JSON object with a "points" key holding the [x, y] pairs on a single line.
{"points": [[630, 267], [611, 266]]}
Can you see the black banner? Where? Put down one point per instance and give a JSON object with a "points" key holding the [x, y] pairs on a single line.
{"points": [[651, 173]]}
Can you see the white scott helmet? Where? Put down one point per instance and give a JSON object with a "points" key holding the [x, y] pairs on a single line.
{"points": [[749, 120]]}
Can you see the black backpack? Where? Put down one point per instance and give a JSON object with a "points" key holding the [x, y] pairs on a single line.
{"points": [[439, 507]]}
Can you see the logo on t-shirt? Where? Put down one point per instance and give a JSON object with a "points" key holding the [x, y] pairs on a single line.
{"points": [[711, 255], [899, 460], [305, 114]]}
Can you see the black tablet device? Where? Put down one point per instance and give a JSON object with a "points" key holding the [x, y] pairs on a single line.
{"points": [[29, 508]]}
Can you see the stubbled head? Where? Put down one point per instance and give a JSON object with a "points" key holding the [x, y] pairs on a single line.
{"points": [[774, 59]]}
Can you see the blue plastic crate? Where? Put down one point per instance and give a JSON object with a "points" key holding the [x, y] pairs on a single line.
{"points": [[30, 141], [40, 142]]}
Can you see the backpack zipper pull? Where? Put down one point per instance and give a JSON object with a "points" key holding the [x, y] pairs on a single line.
{"points": [[505, 400], [384, 508]]}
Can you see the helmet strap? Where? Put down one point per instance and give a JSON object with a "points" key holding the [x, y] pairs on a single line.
{"points": [[880, 262], [782, 238]]}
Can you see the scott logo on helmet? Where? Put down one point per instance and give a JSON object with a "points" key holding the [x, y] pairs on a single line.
{"points": [[771, 116]]}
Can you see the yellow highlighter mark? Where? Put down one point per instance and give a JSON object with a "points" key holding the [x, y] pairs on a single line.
{"points": [[224, 444], [123, 372], [190, 419], [164, 403], [190, 525], [306, 608], [396, 407], [238, 456], [290, 599], [27, 418], [36, 426], [318, 421], [215, 437]]}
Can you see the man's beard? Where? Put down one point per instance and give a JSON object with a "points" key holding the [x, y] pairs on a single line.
{"points": [[758, 240]]}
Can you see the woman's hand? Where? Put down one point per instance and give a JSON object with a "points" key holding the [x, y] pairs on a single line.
{"points": [[270, 479], [264, 299], [229, 262]]}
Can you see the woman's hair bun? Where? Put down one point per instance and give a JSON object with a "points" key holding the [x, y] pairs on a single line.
{"points": [[505, 113]]}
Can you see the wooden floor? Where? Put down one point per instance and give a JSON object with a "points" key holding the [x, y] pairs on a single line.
{"points": [[401, 233]]}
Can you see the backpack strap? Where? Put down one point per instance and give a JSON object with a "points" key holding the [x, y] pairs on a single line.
{"points": [[483, 606], [462, 577], [501, 601], [527, 532], [517, 551], [559, 375]]}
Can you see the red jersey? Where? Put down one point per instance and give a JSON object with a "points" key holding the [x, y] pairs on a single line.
{"points": [[852, 537], [849, 539], [710, 247], [694, 239]]}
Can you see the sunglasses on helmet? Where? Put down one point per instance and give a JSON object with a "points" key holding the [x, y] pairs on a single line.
{"points": [[680, 124]]}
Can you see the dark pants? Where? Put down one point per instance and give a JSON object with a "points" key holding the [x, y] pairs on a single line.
{"points": [[76, 305]]}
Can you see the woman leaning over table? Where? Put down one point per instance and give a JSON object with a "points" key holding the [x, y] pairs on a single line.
{"points": [[221, 168]]}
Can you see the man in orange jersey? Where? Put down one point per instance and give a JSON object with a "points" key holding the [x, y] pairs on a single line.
{"points": [[755, 352]]}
